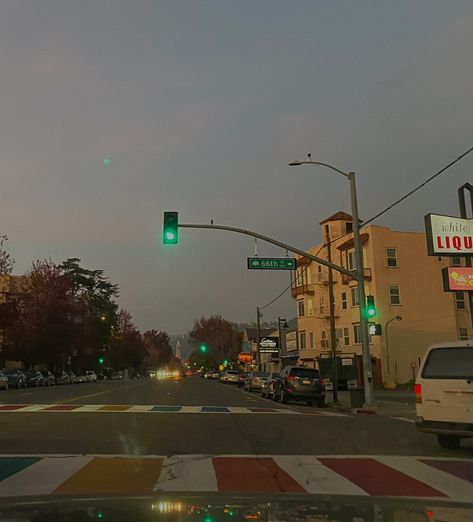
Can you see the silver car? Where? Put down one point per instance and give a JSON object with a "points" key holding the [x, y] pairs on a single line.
{"points": [[230, 377]]}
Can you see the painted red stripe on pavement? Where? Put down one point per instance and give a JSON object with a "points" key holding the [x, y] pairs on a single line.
{"points": [[250, 474], [378, 479], [12, 407], [63, 407], [460, 469]]}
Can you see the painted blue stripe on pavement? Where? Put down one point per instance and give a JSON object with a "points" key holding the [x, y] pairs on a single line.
{"points": [[11, 465], [214, 409]]}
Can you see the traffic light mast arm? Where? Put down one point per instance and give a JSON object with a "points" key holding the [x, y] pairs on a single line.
{"points": [[274, 242]]}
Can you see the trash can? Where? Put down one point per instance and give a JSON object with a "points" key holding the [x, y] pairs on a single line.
{"points": [[357, 397]]}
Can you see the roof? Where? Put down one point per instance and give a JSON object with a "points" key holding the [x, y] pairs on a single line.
{"points": [[338, 216], [351, 242]]}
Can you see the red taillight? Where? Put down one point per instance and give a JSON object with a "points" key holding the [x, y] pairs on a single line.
{"points": [[292, 378], [418, 392]]}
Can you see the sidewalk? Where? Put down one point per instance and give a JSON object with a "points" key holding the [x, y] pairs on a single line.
{"points": [[388, 403]]}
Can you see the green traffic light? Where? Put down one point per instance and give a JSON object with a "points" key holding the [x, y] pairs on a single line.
{"points": [[170, 228], [225, 362], [203, 348], [370, 307], [101, 360]]}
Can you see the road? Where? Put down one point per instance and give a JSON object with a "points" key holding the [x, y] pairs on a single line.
{"points": [[146, 436], [111, 424]]}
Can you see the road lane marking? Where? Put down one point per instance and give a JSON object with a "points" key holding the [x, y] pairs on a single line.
{"points": [[80, 397], [317, 478], [113, 475], [184, 473], [131, 474]]}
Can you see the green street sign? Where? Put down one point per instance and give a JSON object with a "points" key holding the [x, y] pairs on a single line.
{"points": [[272, 263]]}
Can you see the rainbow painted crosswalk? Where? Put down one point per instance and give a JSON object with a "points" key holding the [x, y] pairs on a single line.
{"points": [[391, 476]]}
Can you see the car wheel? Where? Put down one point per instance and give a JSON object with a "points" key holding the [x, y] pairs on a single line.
{"points": [[448, 441], [283, 398]]}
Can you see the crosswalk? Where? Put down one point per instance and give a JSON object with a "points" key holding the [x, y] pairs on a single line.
{"points": [[392, 476], [150, 408]]}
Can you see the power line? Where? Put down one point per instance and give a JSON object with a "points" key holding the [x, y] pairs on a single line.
{"points": [[387, 209]]}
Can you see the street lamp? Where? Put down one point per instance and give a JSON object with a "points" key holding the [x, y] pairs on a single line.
{"points": [[285, 326], [359, 275], [389, 382]]}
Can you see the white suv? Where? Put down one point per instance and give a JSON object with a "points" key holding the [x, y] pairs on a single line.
{"points": [[90, 376]]}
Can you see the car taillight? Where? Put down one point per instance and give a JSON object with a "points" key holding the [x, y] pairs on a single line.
{"points": [[418, 392], [292, 378]]}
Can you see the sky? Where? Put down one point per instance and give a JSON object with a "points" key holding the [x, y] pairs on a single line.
{"points": [[198, 106]]}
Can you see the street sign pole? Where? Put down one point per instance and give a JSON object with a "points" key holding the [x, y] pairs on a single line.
{"points": [[462, 200]]}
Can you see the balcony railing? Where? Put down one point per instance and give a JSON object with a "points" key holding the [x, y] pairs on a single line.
{"points": [[302, 290]]}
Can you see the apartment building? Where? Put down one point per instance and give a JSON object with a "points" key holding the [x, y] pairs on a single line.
{"points": [[412, 307]]}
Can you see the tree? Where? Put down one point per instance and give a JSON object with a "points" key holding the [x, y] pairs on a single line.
{"points": [[127, 349], [48, 325], [158, 348], [6, 260], [220, 335]]}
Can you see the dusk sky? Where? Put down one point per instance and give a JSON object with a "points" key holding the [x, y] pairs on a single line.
{"points": [[199, 106]]}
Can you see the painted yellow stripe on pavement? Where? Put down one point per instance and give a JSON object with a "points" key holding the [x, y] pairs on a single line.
{"points": [[114, 475], [80, 397]]}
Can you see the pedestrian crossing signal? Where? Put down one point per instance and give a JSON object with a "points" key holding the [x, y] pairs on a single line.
{"points": [[170, 228]]}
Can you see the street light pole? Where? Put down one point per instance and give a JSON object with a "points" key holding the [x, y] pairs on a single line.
{"points": [[359, 276], [258, 337], [388, 365]]}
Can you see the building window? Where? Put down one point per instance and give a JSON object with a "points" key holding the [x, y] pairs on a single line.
{"points": [[311, 340], [308, 275], [301, 308], [302, 344], [357, 334], [351, 260], [394, 295], [456, 261], [344, 301], [310, 308], [299, 276], [321, 305], [391, 256], [349, 227], [346, 336], [463, 334], [460, 301], [355, 301]]}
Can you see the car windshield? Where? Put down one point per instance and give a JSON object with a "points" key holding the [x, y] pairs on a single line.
{"points": [[449, 363], [231, 233]]}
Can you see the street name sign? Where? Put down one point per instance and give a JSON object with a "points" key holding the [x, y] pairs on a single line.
{"points": [[272, 263]]}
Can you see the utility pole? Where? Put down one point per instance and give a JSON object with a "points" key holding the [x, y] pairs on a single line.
{"points": [[258, 337], [463, 214], [333, 336]]}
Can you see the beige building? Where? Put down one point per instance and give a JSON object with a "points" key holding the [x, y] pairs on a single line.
{"points": [[405, 282]]}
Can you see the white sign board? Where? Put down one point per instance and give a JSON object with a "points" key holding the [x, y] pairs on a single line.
{"points": [[448, 235], [347, 362]]}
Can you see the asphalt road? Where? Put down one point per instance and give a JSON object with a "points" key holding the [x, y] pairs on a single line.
{"points": [[297, 430]]}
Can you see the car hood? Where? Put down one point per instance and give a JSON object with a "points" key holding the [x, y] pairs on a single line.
{"points": [[211, 507]]}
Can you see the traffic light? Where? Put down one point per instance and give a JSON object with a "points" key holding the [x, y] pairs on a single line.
{"points": [[101, 359], [370, 307], [170, 228], [203, 348], [225, 362]]}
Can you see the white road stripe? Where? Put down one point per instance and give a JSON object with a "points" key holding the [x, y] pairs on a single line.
{"points": [[453, 487], [187, 473], [403, 419], [314, 477], [43, 477]]}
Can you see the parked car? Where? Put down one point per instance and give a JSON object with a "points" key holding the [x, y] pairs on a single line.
{"points": [[253, 381], [231, 377], [242, 378], [62, 378], [72, 377], [16, 378], [444, 393], [49, 379], [34, 379], [116, 376], [90, 376], [81, 376], [300, 384], [3, 381], [267, 384]]}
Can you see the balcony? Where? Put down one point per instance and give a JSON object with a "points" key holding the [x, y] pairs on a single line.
{"points": [[347, 279], [296, 291]]}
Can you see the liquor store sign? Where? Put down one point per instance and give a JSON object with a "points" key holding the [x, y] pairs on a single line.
{"points": [[448, 235]]}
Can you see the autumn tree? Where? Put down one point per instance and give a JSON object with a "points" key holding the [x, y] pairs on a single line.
{"points": [[221, 337], [127, 349], [6, 260], [158, 348]]}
